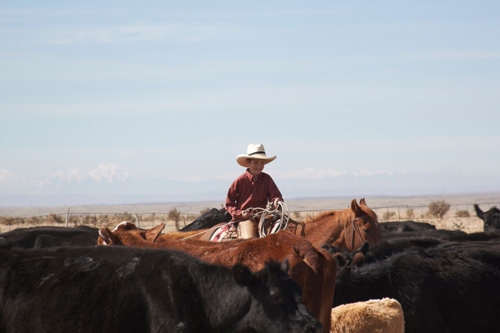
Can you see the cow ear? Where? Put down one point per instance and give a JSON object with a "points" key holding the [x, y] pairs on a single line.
{"points": [[106, 237], [479, 212], [153, 233], [242, 275]]}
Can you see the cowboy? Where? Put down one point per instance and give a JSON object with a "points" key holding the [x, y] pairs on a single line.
{"points": [[252, 189]]}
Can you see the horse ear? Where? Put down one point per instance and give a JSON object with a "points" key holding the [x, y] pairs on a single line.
{"points": [[355, 207], [362, 202]]}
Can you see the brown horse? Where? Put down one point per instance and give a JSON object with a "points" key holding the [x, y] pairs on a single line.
{"points": [[345, 229], [313, 269]]}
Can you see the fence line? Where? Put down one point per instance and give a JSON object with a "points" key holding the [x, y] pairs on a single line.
{"points": [[459, 216]]}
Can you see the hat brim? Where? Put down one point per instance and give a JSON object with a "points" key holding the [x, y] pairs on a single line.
{"points": [[243, 159]]}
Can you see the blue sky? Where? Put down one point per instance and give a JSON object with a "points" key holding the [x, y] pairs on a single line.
{"points": [[151, 101]]}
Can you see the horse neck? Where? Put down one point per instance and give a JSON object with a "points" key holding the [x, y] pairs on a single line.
{"points": [[328, 228]]}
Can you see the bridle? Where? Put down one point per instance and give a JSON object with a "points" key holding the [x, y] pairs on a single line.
{"points": [[356, 230]]}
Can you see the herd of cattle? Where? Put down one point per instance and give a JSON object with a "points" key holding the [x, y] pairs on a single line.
{"points": [[416, 279]]}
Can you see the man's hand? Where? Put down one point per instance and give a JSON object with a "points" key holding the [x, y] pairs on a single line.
{"points": [[245, 214], [276, 202]]}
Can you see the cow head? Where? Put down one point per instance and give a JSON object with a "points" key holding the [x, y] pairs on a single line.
{"points": [[128, 230], [276, 297], [491, 218]]}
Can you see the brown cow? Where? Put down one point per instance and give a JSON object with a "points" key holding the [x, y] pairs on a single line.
{"points": [[313, 269], [373, 316]]}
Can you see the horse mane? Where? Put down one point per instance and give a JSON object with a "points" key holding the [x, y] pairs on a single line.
{"points": [[368, 211], [342, 215]]}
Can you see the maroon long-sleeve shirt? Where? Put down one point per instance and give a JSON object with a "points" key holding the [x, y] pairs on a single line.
{"points": [[245, 193]]}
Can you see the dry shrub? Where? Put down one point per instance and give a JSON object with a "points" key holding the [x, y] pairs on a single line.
{"points": [[206, 210], [6, 220], [458, 226], [54, 219], [174, 215], [388, 215], [438, 208], [123, 217], [462, 213]]}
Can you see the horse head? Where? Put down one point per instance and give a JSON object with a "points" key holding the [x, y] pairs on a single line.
{"points": [[346, 229], [364, 226]]}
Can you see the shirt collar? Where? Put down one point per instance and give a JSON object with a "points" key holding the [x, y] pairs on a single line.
{"points": [[249, 175]]}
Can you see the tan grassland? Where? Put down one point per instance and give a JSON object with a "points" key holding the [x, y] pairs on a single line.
{"points": [[387, 208], [295, 204]]}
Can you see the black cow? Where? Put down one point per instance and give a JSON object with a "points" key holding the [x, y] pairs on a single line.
{"points": [[453, 287], [438, 233], [491, 218], [208, 219], [477, 236], [405, 226], [42, 237], [390, 247], [129, 290]]}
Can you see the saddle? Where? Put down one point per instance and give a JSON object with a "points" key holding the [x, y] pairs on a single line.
{"points": [[246, 229], [270, 221]]}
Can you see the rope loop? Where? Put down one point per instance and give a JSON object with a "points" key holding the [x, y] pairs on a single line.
{"points": [[279, 221]]}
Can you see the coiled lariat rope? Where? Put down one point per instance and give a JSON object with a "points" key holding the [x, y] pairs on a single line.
{"points": [[280, 218]]}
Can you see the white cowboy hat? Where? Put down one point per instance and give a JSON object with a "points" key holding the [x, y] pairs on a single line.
{"points": [[254, 152]]}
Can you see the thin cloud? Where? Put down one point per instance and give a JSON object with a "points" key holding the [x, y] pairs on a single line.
{"points": [[370, 173], [186, 179], [11, 182], [138, 32], [69, 175], [311, 173], [7, 177], [437, 55], [315, 174], [109, 172]]}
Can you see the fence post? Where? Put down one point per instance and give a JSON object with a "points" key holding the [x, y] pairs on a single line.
{"points": [[137, 222], [67, 217]]}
